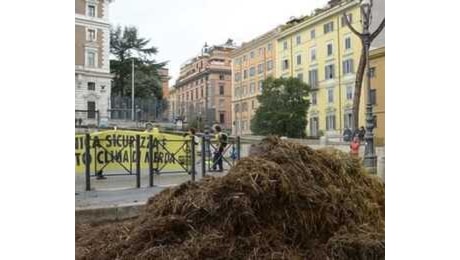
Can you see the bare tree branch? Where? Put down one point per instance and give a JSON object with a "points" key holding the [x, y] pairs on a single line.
{"points": [[351, 27], [379, 29]]}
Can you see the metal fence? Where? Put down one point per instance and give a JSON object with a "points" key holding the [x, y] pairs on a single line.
{"points": [[145, 109], [87, 118], [202, 157]]}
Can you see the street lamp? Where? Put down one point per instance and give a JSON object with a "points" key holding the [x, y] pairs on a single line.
{"points": [[370, 158], [206, 83], [132, 89]]}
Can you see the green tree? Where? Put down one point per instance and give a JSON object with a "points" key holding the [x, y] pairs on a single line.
{"points": [[125, 46], [283, 108]]}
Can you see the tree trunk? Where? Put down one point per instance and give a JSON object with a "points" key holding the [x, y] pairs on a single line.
{"points": [[358, 87]]}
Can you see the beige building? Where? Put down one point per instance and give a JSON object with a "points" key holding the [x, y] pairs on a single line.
{"points": [[164, 75], [172, 105], [92, 64], [377, 64], [253, 62], [205, 81]]}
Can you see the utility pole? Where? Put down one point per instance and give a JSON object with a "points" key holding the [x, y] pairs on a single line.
{"points": [[370, 158]]}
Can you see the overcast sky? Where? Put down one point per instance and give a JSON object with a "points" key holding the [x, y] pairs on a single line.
{"points": [[179, 28]]}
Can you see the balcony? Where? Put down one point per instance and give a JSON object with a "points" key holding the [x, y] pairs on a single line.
{"points": [[314, 86]]}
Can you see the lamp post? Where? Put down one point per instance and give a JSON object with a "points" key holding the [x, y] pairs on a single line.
{"points": [[370, 158], [132, 89], [203, 51]]}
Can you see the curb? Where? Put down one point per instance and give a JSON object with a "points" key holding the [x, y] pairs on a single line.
{"points": [[112, 213]]}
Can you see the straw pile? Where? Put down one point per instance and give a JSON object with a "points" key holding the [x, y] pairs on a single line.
{"points": [[285, 201]]}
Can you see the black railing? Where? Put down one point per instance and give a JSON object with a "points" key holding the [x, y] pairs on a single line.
{"points": [[157, 149]]}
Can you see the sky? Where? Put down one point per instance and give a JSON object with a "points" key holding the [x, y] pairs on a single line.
{"points": [[179, 28]]}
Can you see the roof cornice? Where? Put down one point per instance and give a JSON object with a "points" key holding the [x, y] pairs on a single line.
{"points": [[317, 18]]}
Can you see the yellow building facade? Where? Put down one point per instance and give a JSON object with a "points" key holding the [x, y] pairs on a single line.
{"points": [[252, 62], [377, 64], [324, 53]]}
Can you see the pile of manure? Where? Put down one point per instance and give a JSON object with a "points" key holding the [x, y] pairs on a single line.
{"points": [[284, 201]]}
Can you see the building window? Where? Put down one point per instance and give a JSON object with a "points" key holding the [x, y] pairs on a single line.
{"points": [[245, 107], [260, 68], [269, 47], [348, 43], [201, 95], [348, 66], [196, 93], [313, 78], [329, 73], [91, 35], [349, 92], [221, 76], [312, 34], [348, 120], [373, 96], [92, 10], [328, 27], [350, 19], [91, 109], [221, 89], [260, 85], [372, 72], [300, 76], [91, 86], [252, 71], [261, 52], [285, 45], [329, 49], [245, 74], [330, 122], [298, 39], [252, 105], [251, 54], [314, 126], [299, 59], [269, 65], [375, 121], [91, 58], [237, 107], [285, 64], [330, 95], [237, 76], [314, 98], [252, 87], [312, 54], [222, 117], [244, 58]]}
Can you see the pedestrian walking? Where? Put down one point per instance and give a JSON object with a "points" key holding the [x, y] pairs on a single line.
{"points": [[362, 133], [354, 146], [347, 135], [222, 141]]}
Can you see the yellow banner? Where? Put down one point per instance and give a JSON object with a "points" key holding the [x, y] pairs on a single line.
{"points": [[115, 150]]}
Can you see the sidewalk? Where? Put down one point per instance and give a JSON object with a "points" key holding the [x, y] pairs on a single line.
{"points": [[112, 200]]}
